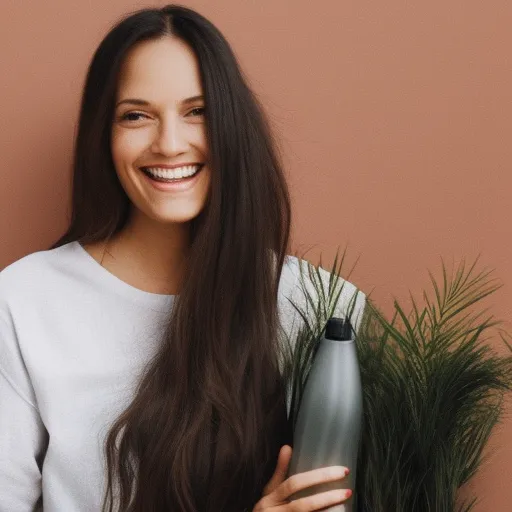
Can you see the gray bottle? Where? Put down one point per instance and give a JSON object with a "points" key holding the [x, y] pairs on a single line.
{"points": [[329, 420]]}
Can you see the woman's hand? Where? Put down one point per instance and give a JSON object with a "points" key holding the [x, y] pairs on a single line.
{"points": [[278, 490]]}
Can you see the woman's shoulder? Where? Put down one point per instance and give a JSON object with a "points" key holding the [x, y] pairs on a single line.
{"points": [[20, 273], [22, 278], [302, 272], [304, 281]]}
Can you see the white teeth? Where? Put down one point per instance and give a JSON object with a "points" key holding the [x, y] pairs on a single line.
{"points": [[179, 172]]}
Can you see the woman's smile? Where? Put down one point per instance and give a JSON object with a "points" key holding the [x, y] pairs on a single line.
{"points": [[161, 178]]}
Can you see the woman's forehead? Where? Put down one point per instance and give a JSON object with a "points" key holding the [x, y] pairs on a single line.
{"points": [[160, 65]]}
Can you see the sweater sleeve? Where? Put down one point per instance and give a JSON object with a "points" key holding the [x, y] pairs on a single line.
{"points": [[23, 437], [348, 295]]}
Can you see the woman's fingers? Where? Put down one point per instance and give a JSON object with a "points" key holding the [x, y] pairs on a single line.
{"points": [[277, 492], [279, 475], [320, 501], [307, 479]]}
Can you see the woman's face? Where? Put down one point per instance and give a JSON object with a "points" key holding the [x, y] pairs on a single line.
{"points": [[160, 126]]}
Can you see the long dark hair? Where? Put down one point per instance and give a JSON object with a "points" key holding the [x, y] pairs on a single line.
{"points": [[203, 434]]}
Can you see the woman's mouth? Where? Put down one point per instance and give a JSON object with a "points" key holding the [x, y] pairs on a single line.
{"points": [[168, 175], [161, 179]]}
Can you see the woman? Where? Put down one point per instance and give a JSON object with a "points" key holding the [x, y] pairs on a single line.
{"points": [[139, 354]]}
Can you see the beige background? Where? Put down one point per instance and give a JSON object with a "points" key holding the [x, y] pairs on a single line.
{"points": [[394, 119]]}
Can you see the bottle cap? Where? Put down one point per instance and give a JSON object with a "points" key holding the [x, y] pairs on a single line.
{"points": [[338, 329]]}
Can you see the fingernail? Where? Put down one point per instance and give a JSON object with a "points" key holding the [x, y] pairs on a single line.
{"points": [[347, 471], [348, 493]]}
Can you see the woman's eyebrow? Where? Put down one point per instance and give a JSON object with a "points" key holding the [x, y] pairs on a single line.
{"points": [[137, 101]]}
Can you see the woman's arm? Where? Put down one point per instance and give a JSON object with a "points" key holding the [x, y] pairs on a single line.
{"points": [[23, 437]]}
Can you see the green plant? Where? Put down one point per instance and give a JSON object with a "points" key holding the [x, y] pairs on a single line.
{"points": [[432, 389]]}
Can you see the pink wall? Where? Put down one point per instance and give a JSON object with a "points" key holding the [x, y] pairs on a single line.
{"points": [[394, 121]]}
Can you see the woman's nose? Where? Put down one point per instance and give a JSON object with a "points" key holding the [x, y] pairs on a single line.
{"points": [[170, 138]]}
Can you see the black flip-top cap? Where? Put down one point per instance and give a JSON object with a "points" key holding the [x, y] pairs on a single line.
{"points": [[338, 329]]}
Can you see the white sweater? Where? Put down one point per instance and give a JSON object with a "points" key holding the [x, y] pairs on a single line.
{"points": [[73, 339]]}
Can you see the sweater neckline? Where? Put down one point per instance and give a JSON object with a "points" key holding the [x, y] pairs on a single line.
{"points": [[120, 286]]}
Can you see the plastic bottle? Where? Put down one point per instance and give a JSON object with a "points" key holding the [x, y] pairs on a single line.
{"points": [[329, 421]]}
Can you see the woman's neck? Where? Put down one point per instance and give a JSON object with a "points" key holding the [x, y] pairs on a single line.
{"points": [[152, 259]]}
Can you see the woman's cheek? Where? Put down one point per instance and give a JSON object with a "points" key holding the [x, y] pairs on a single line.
{"points": [[128, 144]]}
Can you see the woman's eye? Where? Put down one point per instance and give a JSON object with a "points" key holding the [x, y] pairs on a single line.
{"points": [[125, 116], [200, 109]]}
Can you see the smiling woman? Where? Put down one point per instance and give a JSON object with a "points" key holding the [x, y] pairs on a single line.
{"points": [[170, 86], [140, 354]]}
